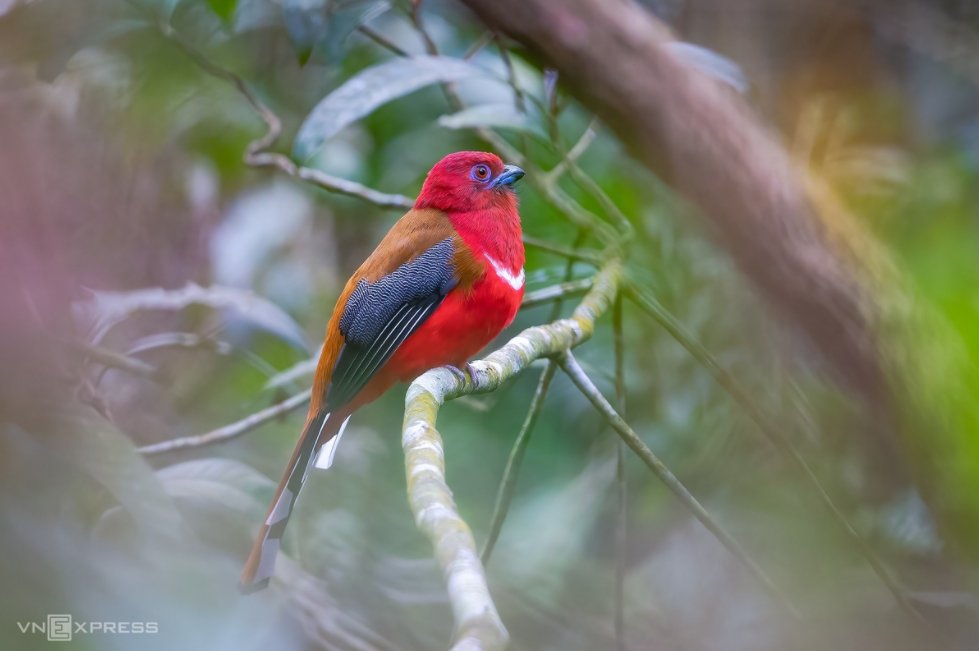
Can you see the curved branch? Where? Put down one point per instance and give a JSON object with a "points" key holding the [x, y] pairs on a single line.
{"points": [[478, 624], [234, 430], [111, 359], [256, 154]]}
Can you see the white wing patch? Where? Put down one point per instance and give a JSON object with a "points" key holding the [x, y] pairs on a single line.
{"points": [[513, 280], [325, 458]]}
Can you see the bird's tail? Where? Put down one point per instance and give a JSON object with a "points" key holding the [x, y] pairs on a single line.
{"points": [[320, 428]]}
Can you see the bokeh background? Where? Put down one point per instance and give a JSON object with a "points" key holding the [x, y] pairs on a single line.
{"points": [[122, 175]]}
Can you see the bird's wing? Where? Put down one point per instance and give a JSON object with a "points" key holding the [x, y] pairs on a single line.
{"points": [[394, 292]]}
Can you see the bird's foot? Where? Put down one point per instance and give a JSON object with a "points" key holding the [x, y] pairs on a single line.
{"points": [[461, 372]]}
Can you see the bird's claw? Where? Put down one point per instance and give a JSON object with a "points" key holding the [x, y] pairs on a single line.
{"points": [[461, 372]]}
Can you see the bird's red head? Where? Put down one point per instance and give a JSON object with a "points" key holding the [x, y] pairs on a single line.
{"points": [[469, 181], [475, 191]]}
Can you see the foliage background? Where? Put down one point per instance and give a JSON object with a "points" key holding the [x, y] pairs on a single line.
{"points": [[122, 169]]}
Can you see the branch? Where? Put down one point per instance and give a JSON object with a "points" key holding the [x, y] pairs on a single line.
{"points": [[585, 385], [256, 154], [544, 183], [512, 471], [556, 293], [621, 493], [234, 430], [508, 484], [478, 624], [564, 252], [575, 152], [648, 304], [114, 360], [706, 142]]}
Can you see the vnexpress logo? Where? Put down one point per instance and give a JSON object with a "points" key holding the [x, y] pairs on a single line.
{"points": [[59, 628], [62, 628]]}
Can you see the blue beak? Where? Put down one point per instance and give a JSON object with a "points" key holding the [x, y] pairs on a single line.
{"points": [[510, 175]]}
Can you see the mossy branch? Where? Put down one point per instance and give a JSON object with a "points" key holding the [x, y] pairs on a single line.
{"points": [[478, 624]]}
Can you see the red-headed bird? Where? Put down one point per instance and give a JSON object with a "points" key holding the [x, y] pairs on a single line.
{"points": [[441, 285]]}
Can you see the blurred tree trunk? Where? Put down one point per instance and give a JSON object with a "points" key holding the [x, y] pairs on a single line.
{"points": [[792, 239]]}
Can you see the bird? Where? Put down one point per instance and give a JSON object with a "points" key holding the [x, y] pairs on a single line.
{"points": [[443, 283]]}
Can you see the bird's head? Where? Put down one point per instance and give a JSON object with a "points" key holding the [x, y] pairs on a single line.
{"points": [[470, 181]]}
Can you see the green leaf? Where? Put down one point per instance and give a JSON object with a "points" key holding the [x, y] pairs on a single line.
{"points": [[374, 87], [497, 116], [344, 20], [225, 9], [306, 24], [93, 444], [256, 14], [324, 26], [106, 309], [162, 8]]}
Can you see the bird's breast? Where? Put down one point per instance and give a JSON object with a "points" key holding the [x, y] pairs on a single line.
{"points": [[463, 325]]}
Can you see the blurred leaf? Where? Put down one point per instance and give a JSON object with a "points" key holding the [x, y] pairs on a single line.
{"points": [[222, 499], [223, 8], [711, 63], [162, 8], [223, 494], [347, 18], [7, 5], [256, 14], [232, 473], [106, 309], [178, 340], [67, 45], [323, 24], [306, 24], [550, 89], [110, 458], [372, 88], [498, 116], [906, 524]]}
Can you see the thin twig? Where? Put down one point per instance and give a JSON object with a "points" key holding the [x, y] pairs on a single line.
{"points": [[610, 207], [234, 430], [111, 359], [570, 208], [564, 252], [576, 213], [645, 301], [508, 484], [574, 371], [556, 293], [579, 148], [485, 39], [381, 40], [511, 71], [256, 154], [621, 493]]}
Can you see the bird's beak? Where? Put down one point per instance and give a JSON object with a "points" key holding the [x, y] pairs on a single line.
{"points": [[510, 175]]}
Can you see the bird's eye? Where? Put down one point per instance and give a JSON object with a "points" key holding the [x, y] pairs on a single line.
{"points": [[480, 173]]}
